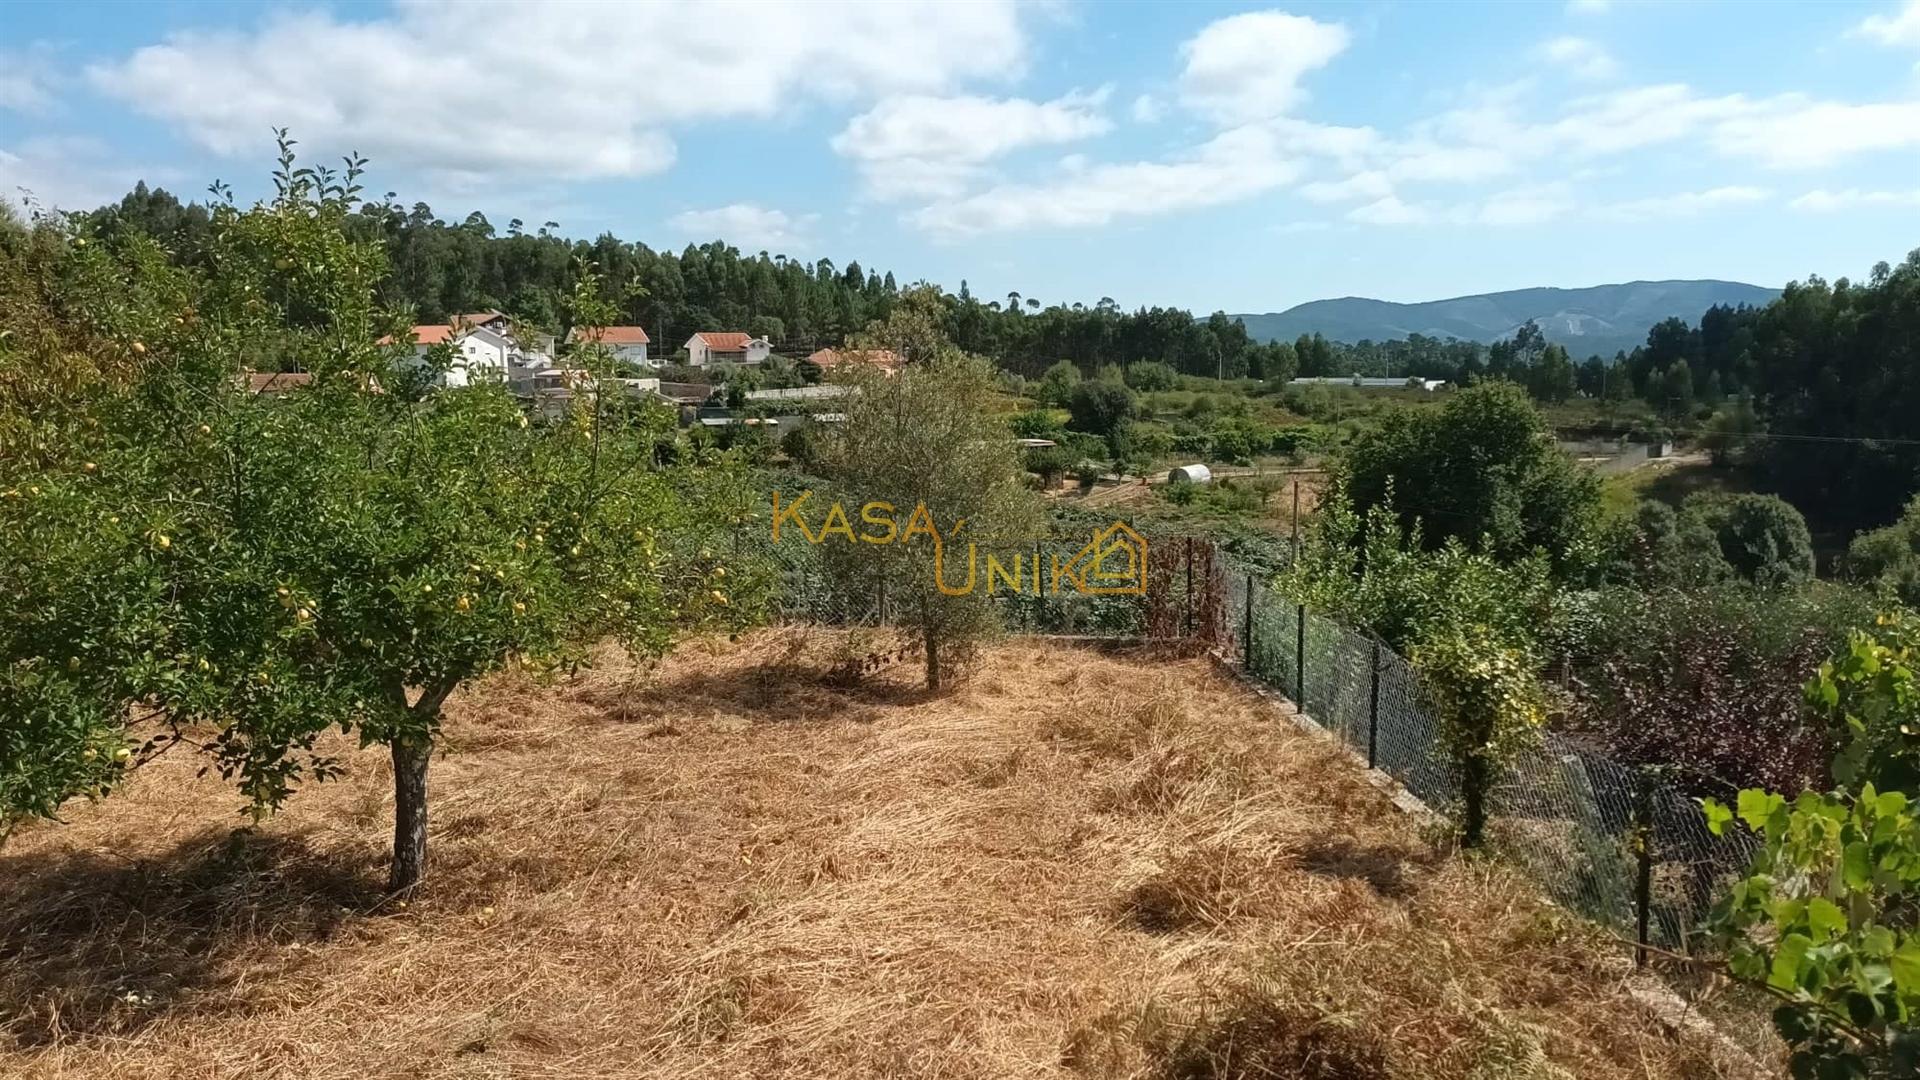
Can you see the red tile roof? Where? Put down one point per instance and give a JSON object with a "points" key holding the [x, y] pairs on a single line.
{"points": [[611, 335], [276, 382], [724, 342], [885, 359], [479, 318]]}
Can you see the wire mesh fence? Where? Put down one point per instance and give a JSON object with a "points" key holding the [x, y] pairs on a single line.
{"points": [[1577, 822], [1600, 837]]}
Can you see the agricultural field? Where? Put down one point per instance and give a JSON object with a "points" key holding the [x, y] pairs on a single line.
{"points": [[1077, 864]]}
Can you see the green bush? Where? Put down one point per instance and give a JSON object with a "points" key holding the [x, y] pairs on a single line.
{"points": [[1150, 375], [1036, 424], [1762, 537], [1099, 406], [1482, 470], [1889, 558]]}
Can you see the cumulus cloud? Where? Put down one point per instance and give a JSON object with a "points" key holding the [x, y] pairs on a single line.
{"points": [[541, 89], [1148, 109], [1232, 166], [745, 225], [923, 146], [1902, 27], [1579, 57], [1822, 201], [1248, 67]]}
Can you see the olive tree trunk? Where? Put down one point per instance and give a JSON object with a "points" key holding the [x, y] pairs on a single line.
{"points": [[410, 758], [933, 657]]}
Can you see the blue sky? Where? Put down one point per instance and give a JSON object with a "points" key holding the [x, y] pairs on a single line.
{"points": [[1211, 156]]}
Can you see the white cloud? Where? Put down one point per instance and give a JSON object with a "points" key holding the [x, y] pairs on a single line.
{"points": [[1532, 205], [1248, 67], [1900, 28], [1800, 134], [1784, 131], [745, 226], [1232, 166], [1684, 204], [25, 78], [1822, 201], [67, 173], [921, 146], [1148, 109], [1582, 58], [1454, 164], [1589, 7], [1390, 211], [534, 89], [1371, 185]]}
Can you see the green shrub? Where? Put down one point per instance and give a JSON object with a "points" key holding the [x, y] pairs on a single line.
{"points": [[1100, 405], [1149, 375], [1889, 558], [1762, 537], [1483, 470]]}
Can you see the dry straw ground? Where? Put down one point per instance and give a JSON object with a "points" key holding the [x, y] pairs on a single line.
{"points": [[1080, 864]]}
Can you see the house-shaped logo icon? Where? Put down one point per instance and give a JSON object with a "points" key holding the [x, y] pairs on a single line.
{"points": [[1114, 563]]}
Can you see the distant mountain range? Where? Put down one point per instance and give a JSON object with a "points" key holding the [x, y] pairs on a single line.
{"points": [[1602, 319]]}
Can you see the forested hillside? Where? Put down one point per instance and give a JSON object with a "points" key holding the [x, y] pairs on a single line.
{"points": [[1601, 319], [1820, 387], [443, 267]]}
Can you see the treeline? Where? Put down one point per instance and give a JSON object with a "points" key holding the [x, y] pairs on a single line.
{"points": [[441, 268], [1818, 393]]}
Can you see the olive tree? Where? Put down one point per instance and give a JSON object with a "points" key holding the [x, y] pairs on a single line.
{"points": [[929, 437], [249, 572]]}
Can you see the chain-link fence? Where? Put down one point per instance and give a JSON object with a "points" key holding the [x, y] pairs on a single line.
{"points": [[1603, 838]]}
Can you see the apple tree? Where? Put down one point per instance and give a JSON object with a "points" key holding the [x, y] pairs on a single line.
{"points": [[245, 572]]}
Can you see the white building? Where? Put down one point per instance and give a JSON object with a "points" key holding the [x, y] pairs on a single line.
{"points": [[1366, 383], [716, 348], [484, 346], [627, 343]]}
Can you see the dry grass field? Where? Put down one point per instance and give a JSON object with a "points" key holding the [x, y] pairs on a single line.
{"points": [[1080, 864]]}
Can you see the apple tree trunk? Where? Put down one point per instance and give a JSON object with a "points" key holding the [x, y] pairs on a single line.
{"points": [[410, 758]]}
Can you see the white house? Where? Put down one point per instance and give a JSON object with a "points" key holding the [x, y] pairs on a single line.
{"points": [[479, 355], [484, 346], [714, 348], [625, 342]]}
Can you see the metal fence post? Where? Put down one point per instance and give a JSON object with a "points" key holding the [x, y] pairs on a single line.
{"points": [[1189, 586], [1373, 711], [1246, 633], [1300, 657], [1643, 865]]}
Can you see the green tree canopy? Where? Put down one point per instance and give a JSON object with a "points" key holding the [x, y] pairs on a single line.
{"points": [[1100, 406], [193, 562], [1482, 469]]}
